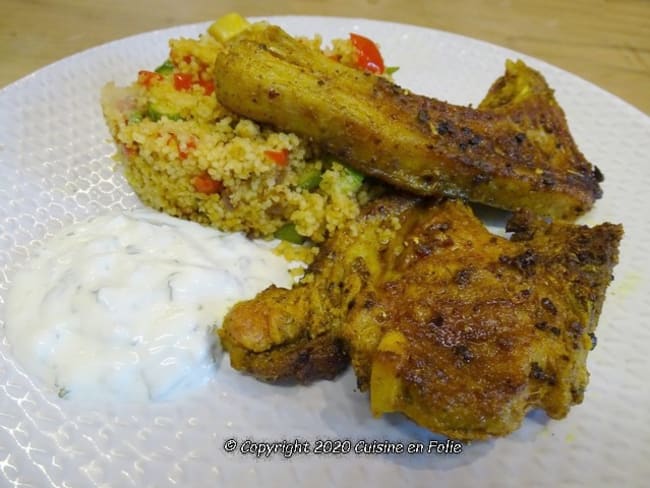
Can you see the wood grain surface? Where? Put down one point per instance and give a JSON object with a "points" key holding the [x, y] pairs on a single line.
{"points": [[605, 42]]}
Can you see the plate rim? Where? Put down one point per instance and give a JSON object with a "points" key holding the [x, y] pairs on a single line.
{"points": [[332, 18], [161, 32]]}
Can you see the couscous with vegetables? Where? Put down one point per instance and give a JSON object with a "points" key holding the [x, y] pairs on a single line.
{"points": [[188, 156]]}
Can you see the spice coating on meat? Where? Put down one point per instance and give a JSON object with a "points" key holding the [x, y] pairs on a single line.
{"points": [[513, 151], [300, 322], [467, 331], [461, 330]]}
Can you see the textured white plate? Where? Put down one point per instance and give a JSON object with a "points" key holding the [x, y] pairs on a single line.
{"points": [[55, 168]]}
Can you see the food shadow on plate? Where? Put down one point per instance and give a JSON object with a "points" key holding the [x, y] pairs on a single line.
{"points": [[535, 424], [493, 218]]}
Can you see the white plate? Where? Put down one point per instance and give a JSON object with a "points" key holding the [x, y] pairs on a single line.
{"points": [[55, 168]]}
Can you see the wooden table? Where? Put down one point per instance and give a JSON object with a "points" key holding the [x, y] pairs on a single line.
{"points": [[605, 42]]}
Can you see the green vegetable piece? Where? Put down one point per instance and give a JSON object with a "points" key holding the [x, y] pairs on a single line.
{"points": [[289, 233], [165, 68], [153, 114], [351, 180], [156, 114], [135, 117], [391, 70], [310, 179]]}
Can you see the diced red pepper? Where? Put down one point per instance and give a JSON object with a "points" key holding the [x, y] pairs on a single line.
{"points": [[189, 146], [147, 78], [182, 81], [208, 87], [188, 58], [368, 55], [129, 150], [281, 158], [204, 183]]}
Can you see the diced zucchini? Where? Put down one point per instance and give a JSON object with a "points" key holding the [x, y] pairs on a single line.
{"points": [[135, 117], [351, 180], [310, 179], [165, 68], [156, 113], [289, 233], [228, 26]]}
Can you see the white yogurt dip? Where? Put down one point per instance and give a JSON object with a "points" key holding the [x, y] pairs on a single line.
{"points": [[123, 306]]}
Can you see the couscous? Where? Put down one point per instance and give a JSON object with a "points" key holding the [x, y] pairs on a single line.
{"points": [[186, 155]]}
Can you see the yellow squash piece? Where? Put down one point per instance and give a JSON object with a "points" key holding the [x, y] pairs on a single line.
{"points": [[228, 26]]}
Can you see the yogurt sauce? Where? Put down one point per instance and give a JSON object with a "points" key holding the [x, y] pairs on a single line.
{"points": [[123, 306]]}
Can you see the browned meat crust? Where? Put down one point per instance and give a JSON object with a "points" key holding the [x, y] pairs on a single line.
{"points": [[514, 151], [303, 360], [468, 331], [461, 330], [299, 322]]}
